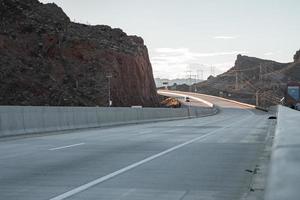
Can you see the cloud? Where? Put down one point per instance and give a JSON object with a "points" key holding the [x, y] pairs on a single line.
{"points": [[218, 53], [268, 54], [184, 55], [224, 37], [174, 62], [171, 50]]}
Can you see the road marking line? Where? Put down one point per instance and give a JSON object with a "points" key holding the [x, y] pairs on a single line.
{"points": [[144, 132], [134, 165], [64, 147], [170, 131]]}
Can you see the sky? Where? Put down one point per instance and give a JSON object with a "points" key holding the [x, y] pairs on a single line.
{"points": [[191, 36]]}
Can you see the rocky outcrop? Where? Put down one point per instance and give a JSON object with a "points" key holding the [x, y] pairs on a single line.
{"points": [[171, 103], [45, 59], [297, 56], [251, 76]]}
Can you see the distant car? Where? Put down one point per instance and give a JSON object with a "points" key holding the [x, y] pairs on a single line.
{"points": [[187, 99], [297, 106]]}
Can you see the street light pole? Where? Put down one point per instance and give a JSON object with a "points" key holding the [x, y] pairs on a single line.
{"points": [[257, 97], [109, 76]]}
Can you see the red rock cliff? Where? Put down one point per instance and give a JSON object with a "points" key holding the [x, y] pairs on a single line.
{"points": [[47, 60]]}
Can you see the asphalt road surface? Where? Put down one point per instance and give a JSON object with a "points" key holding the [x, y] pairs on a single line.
{"points": [[195, 159]]}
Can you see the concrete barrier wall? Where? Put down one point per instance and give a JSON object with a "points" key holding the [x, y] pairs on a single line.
{"points": [[284, 176], [16, 120]]}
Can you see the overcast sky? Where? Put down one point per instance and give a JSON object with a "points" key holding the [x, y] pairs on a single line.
{"points": [[184, 35]]}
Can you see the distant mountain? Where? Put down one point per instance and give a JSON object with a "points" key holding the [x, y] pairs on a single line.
{"points": [[251, 76], [159, 82]]}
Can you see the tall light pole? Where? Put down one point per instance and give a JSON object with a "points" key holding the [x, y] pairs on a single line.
{"points": [[200, 77], [109, 76], [257, 98]]}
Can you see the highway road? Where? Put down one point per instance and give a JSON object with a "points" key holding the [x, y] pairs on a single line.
{"points": [[193, 159]]}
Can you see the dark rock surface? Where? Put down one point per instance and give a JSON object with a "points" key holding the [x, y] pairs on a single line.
{"points": [[45, 59], [297, 56]]}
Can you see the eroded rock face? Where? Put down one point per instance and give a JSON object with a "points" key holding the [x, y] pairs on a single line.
{"points": [[47, 60]]}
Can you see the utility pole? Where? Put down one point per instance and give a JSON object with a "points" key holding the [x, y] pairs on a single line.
{"points": [[109, 76], [241, 80], [193, 82], [260, 72], [212, 70], [189, 75], [200, 77], [236, 81]]}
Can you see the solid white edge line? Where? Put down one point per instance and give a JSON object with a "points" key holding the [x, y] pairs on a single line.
{"points": [[170, 131], [64, 147], [192, 97], [134, 165], [211, 96], [223, 99]]}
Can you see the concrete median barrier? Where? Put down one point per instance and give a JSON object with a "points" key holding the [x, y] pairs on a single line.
{"points": [[18, 120], [284, 176]]}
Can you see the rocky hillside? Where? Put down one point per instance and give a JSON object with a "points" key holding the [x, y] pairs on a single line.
{"points": [[251, 76], [45, 59]]}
